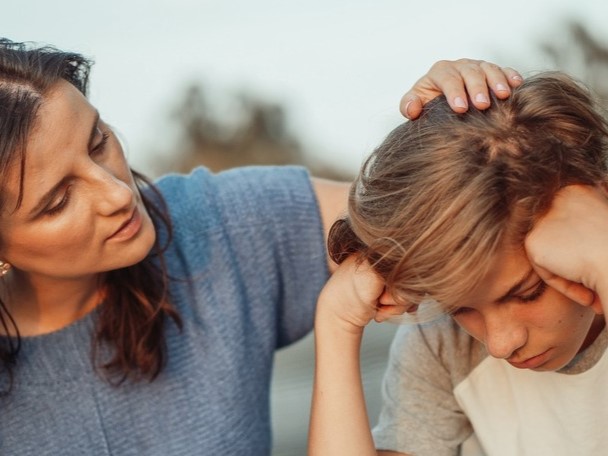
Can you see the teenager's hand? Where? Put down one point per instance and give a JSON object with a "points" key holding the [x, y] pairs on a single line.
{"points": [[355, 295], [456, 79], [568, 247]]}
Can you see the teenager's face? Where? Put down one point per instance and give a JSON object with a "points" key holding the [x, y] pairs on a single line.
{"points": [[522, 320], [81, 212]]}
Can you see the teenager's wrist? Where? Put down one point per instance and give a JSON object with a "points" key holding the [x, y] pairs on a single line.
{"points": [[328, 320]]}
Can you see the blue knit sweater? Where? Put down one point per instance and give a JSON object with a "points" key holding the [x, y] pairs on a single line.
{"points": [[250, 243]]}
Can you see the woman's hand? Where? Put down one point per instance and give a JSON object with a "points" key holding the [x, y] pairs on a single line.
{"points": [[568, 247], [457, 78]]}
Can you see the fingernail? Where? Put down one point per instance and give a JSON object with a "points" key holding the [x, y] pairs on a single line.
{"points": [[459, 103], [407, 108], [481, 98], [501, 88], [517, 77]]}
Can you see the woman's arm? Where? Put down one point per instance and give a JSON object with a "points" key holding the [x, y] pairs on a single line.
{"points": [[339, 423], [460, 81]]}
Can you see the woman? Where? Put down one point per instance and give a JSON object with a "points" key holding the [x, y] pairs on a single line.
{"points": [[140, 318], [497, 219]]}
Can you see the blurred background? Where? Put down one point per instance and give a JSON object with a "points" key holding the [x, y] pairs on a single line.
{"points": [[232, 82]]}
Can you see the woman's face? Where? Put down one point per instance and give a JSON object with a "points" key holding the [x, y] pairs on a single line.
{"points": [[81, 212], [522, 320]]}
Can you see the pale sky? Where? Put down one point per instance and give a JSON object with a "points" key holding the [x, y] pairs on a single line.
{"points": [[339, 66]]}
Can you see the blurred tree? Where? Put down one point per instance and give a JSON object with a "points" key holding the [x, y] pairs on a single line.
{"points": [[583, 56], [257, 135]]}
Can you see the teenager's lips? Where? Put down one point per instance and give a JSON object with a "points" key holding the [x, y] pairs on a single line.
{"points": [[533, 362], [128, 229]]}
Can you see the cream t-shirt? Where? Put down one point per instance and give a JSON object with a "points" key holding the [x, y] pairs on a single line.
{"points": [[444, 395]]}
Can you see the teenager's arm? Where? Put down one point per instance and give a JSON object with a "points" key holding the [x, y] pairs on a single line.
{"points": [[568, 247], [333, 199], [339, 423]]}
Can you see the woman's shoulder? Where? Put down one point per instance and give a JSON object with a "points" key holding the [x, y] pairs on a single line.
{"points": [[246, 189], [262, 176]]}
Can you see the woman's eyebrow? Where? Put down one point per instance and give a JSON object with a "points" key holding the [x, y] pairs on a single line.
{"points": [[516, 288], [48, 196]]}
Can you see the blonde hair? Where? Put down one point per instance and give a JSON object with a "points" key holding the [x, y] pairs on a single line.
{"points": [[441, 194]]}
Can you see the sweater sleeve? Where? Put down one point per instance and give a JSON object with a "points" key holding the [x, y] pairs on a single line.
{"points": [[274, 217], [259, 243], [420, 414]]}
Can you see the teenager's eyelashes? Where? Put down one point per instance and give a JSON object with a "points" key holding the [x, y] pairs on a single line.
{"points": [[535, 294], [460, 311]]}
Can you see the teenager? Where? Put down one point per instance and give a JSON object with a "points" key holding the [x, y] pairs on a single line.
{"points": [[496, 219]]}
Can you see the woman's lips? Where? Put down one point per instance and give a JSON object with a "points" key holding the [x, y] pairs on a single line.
{"points": [[128, 229]]}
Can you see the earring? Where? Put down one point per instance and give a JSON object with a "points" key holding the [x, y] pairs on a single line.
{"points": [[4, 268]]}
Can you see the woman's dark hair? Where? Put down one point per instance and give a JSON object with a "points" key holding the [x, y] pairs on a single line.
{"points": [[137, 303]]}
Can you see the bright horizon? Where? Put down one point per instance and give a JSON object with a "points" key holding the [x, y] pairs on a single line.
{"points": [[339, 67]]}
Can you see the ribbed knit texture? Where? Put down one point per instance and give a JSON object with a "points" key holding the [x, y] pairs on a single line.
{"points": [[249, 257]]}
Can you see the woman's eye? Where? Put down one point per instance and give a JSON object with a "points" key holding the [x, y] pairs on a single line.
{"points": [[536, 293], [100, 146], [55, 209]]}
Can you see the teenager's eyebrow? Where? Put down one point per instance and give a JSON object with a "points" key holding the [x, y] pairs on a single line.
{"points": [[516, 288], [49, 195]]}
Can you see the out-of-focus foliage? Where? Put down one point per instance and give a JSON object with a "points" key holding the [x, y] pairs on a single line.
{"points": [[257, 134], [582, 55]]}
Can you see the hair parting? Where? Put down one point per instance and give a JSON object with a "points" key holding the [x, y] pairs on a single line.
{"points": [[434, 203]]}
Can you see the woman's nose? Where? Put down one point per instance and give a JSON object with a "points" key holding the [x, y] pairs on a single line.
{"points": [[115, 195]]}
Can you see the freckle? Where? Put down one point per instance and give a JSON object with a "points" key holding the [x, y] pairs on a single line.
{"points": [[560, 322]]}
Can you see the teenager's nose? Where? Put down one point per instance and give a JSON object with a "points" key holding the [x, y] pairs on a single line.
{"points": [[503, 336]]}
